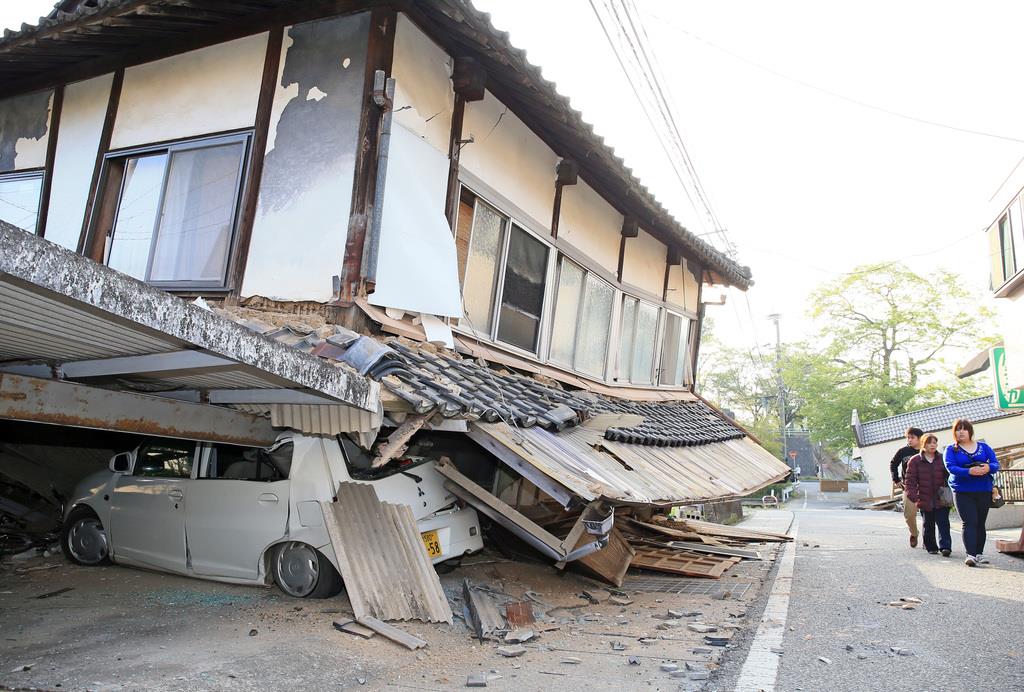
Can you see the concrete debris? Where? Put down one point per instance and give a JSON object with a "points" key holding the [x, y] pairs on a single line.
{"points": [[396, 635], [669, 667], [899, 651], [477, 680], [701, 628], [519, 636], [777, 650], [596, 595], [253, 633], [911, 599], [618, 646], [849, 647], [908, 606], [696, 666], [683, 613], [23, 668], [511, 651], [633, 660], [669, 625], [572, 660], [701, 675], [621, 600], [862, 657], [700, 650], [678, 674], [827, 661]]}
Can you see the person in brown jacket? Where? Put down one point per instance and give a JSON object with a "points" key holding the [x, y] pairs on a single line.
{"points": [[925, 475]]}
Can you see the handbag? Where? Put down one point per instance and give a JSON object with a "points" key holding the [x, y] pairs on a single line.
{"points": [[945, 496], [997, 497]]}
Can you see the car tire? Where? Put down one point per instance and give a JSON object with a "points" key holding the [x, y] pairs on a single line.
{"points": [[302, 571], [83, 540]]}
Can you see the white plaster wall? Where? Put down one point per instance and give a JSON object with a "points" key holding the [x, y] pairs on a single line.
{"points": [[591, 225], [207, 90], [1011, 312], [676, 286], [510, 158], [81, 124], [424, 99], [997, 433], [643, 263]]}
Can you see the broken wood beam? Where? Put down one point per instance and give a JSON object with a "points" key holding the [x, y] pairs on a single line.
{"points": [[398, 440], [482, 615]]}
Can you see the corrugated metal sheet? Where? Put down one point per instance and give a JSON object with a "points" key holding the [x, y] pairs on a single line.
{"points": [[593, 467], [383, 561], [317, 419]]}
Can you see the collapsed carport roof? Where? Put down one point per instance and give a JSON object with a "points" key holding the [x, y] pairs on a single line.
{"points": [[77, 334]]}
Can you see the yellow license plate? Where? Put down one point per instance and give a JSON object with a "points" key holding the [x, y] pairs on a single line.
{"points": [[432, 542]]}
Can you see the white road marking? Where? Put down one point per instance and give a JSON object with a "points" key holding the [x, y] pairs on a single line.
{"points": [[805, 499], [761, 668]]}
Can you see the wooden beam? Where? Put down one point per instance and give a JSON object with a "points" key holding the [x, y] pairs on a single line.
{"points": [[451, 200], [51, 155], [105, 135], [257, 157], [397, 441]]}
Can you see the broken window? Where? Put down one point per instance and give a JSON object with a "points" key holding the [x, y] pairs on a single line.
{"points": [[637, 341], [674, 350], [175, 210], [19, 199], [583, 312], [248, 463], [504, 275]]}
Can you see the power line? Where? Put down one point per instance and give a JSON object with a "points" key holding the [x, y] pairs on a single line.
{"points": [[835, 94]]}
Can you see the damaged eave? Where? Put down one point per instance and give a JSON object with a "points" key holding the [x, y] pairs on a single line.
{"points": [[33, 267]]}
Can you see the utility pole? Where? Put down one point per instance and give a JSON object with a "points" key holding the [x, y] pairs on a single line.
{"points": [[781, 387]]}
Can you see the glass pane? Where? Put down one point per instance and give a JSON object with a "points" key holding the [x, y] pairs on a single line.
{"points": [[522, 296], [1006, 238], [626, 336], [482, 267], [170, 460], [673, 351], [19, 201], [198, 214], [643, 349], [567, 308], [592, 350], [136, 215]]}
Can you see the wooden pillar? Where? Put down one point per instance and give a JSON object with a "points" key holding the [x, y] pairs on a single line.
{"points": [[51, 155], [566, 173], [468, 82], [268, 87], [630, 229], [104, 144]]}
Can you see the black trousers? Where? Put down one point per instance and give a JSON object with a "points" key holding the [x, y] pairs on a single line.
{"points": [[937, 518], [973, 510]]}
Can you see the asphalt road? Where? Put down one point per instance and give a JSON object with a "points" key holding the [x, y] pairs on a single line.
{"points": [[968, 634]]}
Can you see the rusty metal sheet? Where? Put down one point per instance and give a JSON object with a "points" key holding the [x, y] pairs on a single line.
{"points": [[80, 406], [383, 561], [592, 467]]}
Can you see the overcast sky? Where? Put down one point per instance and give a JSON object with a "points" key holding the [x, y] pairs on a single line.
{"points": [[807, 183]]}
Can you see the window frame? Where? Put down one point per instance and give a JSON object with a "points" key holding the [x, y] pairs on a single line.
{"points": [[616, 309], [658, 334], [193, 469], [1007, 254], [30, 174], [510, 222], [114, 170], [686, 336]]}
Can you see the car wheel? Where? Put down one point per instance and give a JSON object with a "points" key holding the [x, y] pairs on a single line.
{"points": [[84, 540], [302, 571]]}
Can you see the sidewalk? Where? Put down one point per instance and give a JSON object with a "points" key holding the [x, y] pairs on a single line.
{"points": [[774, 520]]}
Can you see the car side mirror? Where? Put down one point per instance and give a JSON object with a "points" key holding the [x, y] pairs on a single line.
{"points": [[121, 462]]}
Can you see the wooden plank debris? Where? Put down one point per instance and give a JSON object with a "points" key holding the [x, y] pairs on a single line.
{"points": [[682, 562], [727, 551], [397, 441], [350, 626], [611, 562], [383, 561], [722, 530], [407, 640]]}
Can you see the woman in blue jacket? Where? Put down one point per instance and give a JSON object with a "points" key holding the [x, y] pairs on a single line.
{"points": [[971, 466]]}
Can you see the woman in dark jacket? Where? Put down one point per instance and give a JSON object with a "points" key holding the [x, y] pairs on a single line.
{"points": [[971, 466], [925, 475]]}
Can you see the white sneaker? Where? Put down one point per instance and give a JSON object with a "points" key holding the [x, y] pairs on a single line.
{"points": [[970, 561], [981, 559]]}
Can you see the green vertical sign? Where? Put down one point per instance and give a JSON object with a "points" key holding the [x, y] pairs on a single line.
{"points": [[1005, 398]]}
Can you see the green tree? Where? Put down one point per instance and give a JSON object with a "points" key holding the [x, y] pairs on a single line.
{"points": [[885, 339]]}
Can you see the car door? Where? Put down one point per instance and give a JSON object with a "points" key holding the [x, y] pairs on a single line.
{"points": [[147, 507], [238, 505]]}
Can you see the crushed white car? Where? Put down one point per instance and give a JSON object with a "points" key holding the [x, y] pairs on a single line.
{"points": [[248, 515]]}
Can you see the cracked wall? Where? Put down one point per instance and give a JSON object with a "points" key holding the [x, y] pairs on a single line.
{"points": [[305, 196], [24, 131]]}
